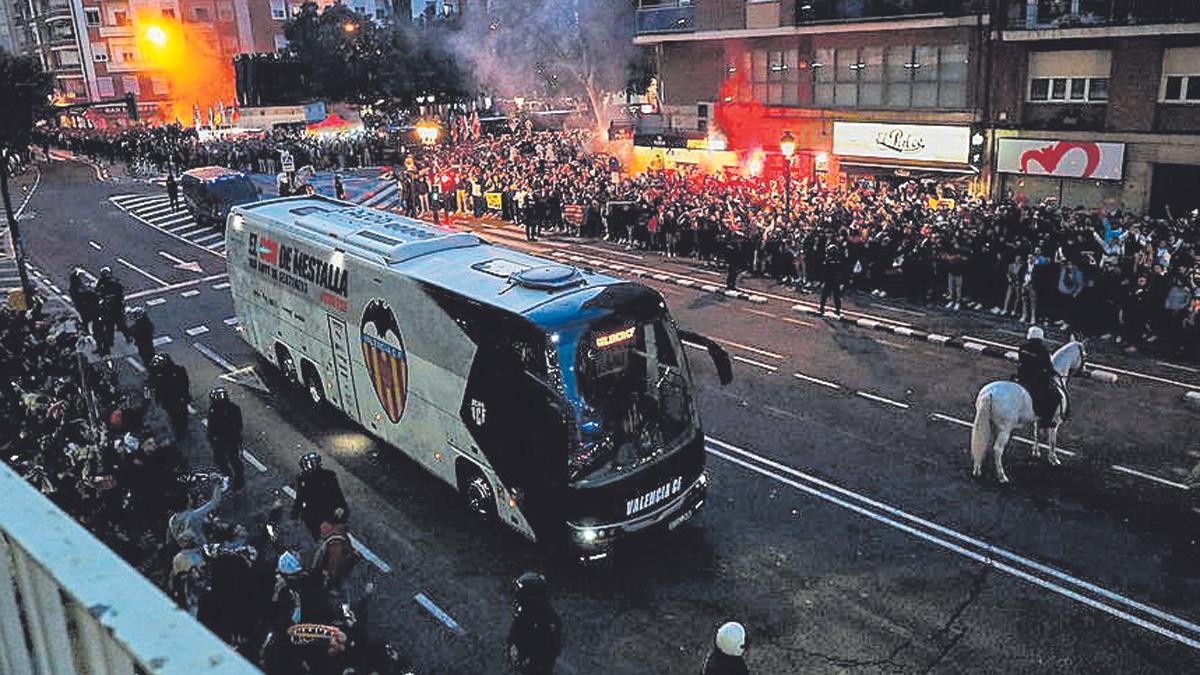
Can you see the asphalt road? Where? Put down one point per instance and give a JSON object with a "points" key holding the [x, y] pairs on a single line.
{"points": [[842, 528]]}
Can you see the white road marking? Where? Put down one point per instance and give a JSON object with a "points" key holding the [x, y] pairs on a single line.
{"points": [[189, 231], [163, 230], [1150, 477], [170, 222], [152, 213], [175, 287], [749, 348], [154, 302], [367, 553], [798, 322], [817, 380], [137, 365], [984, 553], [752, 362], [213, 356], [221, 286], [94, 245], [897, 309], [1185, 369], [880, 399], [693, 345], [254, 461], [189, 294], [289, 491], [197, 330], [162, 340], [760, 313], [142, 272], [231, 321], [437, 612], [209, 238]]}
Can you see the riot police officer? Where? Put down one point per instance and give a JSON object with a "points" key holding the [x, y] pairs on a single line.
{"points": [[727, 655], [86, 302], [833, 271], [112, 308], [172, 390], [141, 330], [318, 495], [225, 436], [536, 635]]}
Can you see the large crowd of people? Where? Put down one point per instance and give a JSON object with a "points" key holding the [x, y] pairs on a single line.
{"points": [[1110, 273], [90, 438]]}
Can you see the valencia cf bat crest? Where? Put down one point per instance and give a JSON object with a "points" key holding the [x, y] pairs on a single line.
{"points": [[387, 362]]}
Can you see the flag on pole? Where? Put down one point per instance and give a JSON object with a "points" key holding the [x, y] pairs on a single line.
{"points": [[196, 115], [210, 117], [475, 129]]}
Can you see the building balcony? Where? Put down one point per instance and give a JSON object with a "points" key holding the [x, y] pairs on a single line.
{"points": [[665, 16], [1065, 117], [1078, 16], [819, 11]]}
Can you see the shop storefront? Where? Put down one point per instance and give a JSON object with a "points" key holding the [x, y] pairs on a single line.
{"points": [[1073, 172], [943, 152]]}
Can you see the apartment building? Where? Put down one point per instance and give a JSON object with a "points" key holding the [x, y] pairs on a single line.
{"points": [[1097, 103], [50, 30], [864, 87]]}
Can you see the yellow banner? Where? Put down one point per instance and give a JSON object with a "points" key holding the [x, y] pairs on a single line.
{"points": [[493, 200]]}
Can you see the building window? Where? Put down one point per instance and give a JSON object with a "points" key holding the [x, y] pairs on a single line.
{"points": [[200, 14], [225, 13], [278, 10], [92, 15], [1180, 89], [899, 76], [774, 76], [100, 57], [104, 87], [120, 17], [280, 43], [130, 84], [68, 57], [168, 12], [160, 86], [1068, 90]]}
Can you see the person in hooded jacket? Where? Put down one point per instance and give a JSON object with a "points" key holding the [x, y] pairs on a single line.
{"points": [[727, 655], [86, 302], [536, 635]]}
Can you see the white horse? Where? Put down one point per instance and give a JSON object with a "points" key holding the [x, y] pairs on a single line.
{"points": [[1002, 406]]}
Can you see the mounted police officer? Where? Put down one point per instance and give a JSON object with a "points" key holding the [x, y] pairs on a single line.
{"points": [[319, 497], [225, 436], [1035, 372], [172, 390]]}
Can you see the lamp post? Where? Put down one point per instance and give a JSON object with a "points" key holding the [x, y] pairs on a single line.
{"points": [[787, 146]]}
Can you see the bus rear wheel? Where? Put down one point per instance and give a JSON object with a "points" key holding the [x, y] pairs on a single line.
{"points": [[478, 494]]}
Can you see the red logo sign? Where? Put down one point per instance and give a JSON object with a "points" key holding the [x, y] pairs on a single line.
{"points": [[1050, 156], [268, 250]]}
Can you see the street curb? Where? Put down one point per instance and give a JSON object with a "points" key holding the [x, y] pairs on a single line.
{"points": [[1192, 398], [963, 344], [714, 289]]}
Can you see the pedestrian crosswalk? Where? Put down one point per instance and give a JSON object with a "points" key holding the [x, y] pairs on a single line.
{"points": [[156, 211], [9, 278]]}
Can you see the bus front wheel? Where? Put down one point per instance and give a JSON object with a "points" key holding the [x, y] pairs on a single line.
{"points": [[479, 496], [287, 365], [313, 386]]}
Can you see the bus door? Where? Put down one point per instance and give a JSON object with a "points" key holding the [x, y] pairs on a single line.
{"points": [[344, 382]]}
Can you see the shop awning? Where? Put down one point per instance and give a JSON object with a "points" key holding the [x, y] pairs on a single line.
{"points": [[932, 168]]}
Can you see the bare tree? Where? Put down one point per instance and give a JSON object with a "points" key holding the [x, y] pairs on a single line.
{"points": [[564, 47]]}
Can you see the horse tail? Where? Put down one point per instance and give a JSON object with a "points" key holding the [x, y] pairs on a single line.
{"points": [[981, 431]]}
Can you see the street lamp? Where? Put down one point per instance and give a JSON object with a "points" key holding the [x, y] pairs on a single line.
{"points": [[349, 27], [787, 146]]}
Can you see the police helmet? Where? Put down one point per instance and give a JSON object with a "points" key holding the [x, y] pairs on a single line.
{"points": [[1035, 333], [217, 394], [137, 313], [105, 272], [311, 461], [160, 359], [731, 639], [288, 563], [529, 588]]}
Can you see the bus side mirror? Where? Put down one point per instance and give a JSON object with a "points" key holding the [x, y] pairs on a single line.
{"points": [[716, 352]]}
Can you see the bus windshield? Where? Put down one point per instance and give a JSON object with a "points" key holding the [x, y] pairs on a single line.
{"points": [[634, 395]]}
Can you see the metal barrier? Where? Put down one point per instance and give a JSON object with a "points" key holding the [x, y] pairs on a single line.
{"points": [[70, 606]]}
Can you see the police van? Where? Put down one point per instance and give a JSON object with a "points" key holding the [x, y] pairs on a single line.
{"points": [[555, 400]]}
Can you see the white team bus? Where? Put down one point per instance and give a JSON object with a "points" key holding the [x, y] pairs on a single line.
{"points": [[556, 400]]}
